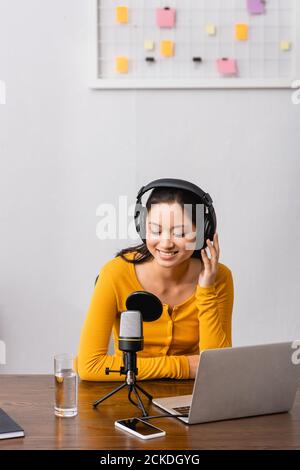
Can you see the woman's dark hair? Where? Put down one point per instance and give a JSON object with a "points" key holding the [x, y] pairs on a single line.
{"points": [[158, 196]]}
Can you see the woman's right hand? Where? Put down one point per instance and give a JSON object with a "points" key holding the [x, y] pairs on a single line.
{"points": [[193, 363]]}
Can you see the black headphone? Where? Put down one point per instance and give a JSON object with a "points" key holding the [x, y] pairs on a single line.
{"points": [[140, 212]]}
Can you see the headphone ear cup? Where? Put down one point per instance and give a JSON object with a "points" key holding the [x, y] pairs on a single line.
{"points": [[208, 229], [143, 217], [140, 222]]}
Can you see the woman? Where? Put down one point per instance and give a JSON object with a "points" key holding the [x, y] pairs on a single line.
{"points": [[196, 292]]}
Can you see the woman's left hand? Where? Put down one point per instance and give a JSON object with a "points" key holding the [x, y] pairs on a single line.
{"points": [[209, 271]]}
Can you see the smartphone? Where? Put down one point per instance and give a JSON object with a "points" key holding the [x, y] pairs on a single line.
{"points": [[139, 428]]}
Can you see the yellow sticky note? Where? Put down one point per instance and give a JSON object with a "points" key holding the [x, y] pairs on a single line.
{"points": [[122, 64], [210, 29], [149, 45], [241, 31], [121, 14], [285, 45], [167, 48]]}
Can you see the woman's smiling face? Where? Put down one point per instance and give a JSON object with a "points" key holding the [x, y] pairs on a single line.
{"points": [[170, 234]]}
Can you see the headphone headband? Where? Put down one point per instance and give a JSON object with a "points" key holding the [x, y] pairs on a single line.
{"points": [[176, 183]]}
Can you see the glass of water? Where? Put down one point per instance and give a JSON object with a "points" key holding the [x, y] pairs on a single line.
{"points": [[66, 386]]}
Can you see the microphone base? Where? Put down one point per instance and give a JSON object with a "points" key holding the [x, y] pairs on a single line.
{"points": [[130, 370], [132, 387]]}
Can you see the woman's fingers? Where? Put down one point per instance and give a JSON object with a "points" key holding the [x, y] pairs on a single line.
{"points": [[209, 271], [216, 242], [214, 247], [205, 258], [213, 251]]}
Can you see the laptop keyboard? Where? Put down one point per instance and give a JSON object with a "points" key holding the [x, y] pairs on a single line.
{"points": [[183, 410]]}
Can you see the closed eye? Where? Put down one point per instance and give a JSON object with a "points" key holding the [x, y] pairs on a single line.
{"points": [[179, 235]]}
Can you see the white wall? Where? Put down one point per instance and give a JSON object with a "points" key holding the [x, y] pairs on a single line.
{"points": [[64, 149]]}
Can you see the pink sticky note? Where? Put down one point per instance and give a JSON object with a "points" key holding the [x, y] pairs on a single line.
{"points": [[256, 7], [227, 66], [165, 17]]}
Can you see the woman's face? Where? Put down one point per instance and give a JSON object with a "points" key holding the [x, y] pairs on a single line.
{"points": [[170, 234]]}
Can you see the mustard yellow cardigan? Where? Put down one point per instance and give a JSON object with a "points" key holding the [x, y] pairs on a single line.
{"points": [[202, 321]]}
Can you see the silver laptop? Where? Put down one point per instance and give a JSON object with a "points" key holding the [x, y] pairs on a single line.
{"points": [[239, 382]]}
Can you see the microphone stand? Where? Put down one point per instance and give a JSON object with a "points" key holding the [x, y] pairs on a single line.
{"points": [[130, 370]]}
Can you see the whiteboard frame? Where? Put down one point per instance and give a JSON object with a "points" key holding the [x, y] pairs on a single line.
{"points": [[235, 82]]}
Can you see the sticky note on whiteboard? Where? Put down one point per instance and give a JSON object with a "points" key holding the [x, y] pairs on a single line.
{"points": [[149, 45], [285, 45], [165, 17], [227, 67], [210, 29], [256, 7], [241, 31], [121, 64], [121, 14], [167, 48]]}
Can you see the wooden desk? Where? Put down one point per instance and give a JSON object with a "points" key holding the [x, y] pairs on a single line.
{"points": [[29, 400]]}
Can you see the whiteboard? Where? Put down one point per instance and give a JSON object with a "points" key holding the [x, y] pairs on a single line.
{"points": [[260, 60]]}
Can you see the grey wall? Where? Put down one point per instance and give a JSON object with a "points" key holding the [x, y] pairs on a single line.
{"points": [[64, 149]]}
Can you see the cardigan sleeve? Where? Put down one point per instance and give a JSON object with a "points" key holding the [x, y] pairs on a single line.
{"points": [[93, 355], [215, 305]]}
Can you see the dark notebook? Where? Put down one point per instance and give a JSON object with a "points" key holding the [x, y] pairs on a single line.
{"points": [[8, 427]]}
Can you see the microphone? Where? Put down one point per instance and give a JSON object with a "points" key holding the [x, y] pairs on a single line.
{"points": [[131, 337], [141, 306]]}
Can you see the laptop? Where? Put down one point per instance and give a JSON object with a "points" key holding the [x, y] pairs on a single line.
{"points": [[239, 382]]}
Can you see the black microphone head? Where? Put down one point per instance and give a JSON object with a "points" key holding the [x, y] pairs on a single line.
{"points": [[148, 304]]}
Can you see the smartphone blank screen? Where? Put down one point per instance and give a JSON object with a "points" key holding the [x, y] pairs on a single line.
{"points": [[139, 426]]}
